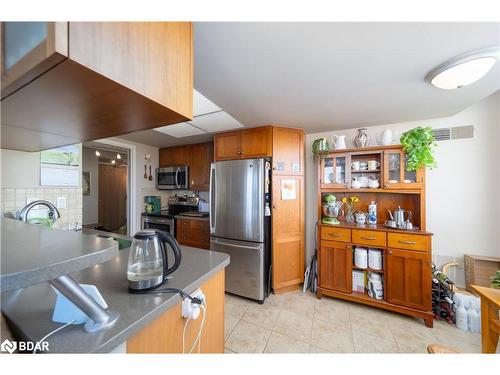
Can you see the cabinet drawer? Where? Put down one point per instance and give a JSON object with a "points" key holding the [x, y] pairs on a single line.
{"points": [[336, 234], [368, 237], [409, 241]]}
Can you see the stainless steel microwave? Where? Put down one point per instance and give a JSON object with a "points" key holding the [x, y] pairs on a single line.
{"points": [[172, 178]]}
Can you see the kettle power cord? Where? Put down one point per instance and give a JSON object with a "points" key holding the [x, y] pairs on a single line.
{"points": [[182, 293], [197, 340]]}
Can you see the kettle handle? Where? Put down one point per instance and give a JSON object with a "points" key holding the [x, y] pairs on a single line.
{"points": [[170, 239]]}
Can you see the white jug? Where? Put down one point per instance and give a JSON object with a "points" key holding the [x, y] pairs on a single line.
{"points": [[386, 137], [339, 142]]}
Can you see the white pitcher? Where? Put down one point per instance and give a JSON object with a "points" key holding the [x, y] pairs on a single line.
{"points": [[386, 137], [339, 142]]}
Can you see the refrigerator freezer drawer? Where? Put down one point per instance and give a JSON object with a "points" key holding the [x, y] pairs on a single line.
{"points": [[245, 275]]}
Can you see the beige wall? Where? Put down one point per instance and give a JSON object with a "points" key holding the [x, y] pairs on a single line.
{"points": [[463, 205]]}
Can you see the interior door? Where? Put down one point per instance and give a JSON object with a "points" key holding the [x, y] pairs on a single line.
{"points": [[409, 279], [238, 200], [335, 266], [112, 197]]}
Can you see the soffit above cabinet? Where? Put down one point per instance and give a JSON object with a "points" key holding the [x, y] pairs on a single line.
{"points": [[102, 89]]}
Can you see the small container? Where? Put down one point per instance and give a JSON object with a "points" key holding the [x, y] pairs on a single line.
{"points": [[360, 257], [372, 213], [375, 259]]}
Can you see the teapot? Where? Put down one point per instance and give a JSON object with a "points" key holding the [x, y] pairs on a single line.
{"points": [[355, 184], [399, 217], [360, 217], [373, 182]]}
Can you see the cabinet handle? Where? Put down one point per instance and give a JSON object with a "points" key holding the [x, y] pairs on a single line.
{"points": [[407, 242], [348, 246], [334, 234], [369, 238], [390, 252], [184, 238], [387, 186]]}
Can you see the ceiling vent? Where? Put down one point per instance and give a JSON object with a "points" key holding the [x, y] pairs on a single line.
{"points": [[458, 132]]}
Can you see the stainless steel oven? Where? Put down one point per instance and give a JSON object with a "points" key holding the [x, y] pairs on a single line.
{"points": [[161, 223], [172, 178]]}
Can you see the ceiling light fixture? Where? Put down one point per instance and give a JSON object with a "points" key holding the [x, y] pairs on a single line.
{"points": [[464, 69], [118, 156], [97, 153]]}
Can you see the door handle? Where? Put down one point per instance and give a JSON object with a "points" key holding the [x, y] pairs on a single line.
{"points": [[407, 242], [176, 177], [335, 235], [369, 238]]}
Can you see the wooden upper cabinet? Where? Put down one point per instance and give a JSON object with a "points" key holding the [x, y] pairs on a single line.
{"points": [[227, 146], [30, 49], [174, 156], [200, 157], [288, 151], [396, 176], [197, 156], [244, 144], [92, 80], [409, 279], [256, 143]]}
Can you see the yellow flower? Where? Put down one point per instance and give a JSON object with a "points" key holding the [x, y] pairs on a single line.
{"points": [[344, 200]]}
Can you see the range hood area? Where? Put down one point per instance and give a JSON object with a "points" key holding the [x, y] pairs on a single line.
{"points": [[81, 81]]}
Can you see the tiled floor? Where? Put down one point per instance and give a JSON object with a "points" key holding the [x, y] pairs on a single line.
{"points": [[300, 323]]}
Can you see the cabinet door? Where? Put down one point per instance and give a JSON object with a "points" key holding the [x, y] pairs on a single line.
{"points": [[336, 171], [335, 266], [30, 49], [288, 235], [200, 157], [174, 156], [409, 279], [288, 151], [396, 176], [227, 146], [256, 143]]}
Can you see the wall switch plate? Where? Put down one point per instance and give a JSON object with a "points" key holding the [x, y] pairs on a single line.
{"points": [[61, 202]]}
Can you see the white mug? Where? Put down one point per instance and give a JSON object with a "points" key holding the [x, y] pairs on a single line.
{"points": [[373, 165], [355, 166]]}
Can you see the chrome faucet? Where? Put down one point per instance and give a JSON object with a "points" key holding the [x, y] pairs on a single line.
{"points": [[53, 211]]}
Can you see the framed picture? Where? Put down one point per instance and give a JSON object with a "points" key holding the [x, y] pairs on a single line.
{"points": [[86, 183], [60, 166]]}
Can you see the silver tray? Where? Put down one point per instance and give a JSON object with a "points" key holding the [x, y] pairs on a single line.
{"points": [[415, 228]]}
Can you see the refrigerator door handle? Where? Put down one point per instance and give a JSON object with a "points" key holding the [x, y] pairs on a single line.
{"points": [[256, 247], [211, 210]]}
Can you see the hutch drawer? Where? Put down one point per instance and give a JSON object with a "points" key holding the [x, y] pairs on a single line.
{"points": [[336, 234], [409, 241], [368, 237]]}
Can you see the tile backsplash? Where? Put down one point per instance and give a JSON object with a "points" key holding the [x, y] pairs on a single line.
{"points": [[166, 194], [14, 199]]}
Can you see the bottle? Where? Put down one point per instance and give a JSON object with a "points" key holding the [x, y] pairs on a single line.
{"points": [[372, 213], [461, 317]]}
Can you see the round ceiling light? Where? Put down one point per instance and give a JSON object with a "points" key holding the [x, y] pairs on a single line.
{"points": [[465, 69]]}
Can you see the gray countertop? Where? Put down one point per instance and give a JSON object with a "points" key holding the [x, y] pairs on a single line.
{"points": [[32, 254], [29, 311]]}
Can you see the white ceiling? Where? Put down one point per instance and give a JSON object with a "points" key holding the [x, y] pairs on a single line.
{"points": [[327, 76]]}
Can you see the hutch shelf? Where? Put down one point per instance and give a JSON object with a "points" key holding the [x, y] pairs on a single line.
{"points": [[406, 254]]}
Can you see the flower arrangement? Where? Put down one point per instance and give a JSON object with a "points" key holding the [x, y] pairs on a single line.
{"points": [[349, 203]]}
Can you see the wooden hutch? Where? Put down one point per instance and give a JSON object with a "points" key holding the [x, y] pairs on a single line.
{"points": [[406, 254]]}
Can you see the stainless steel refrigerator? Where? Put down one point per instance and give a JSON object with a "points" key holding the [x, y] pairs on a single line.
{"points": [[240, 224]]}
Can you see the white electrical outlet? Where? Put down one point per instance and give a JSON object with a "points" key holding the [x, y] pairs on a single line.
{"points": [[191, 309], [61, 202]]}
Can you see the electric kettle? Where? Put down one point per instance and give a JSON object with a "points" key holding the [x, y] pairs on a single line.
{"points": [[148, 261]]}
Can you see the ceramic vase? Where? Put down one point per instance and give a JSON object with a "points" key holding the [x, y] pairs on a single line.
{"points": [[349, 217], [362, 139], [338, 142]]}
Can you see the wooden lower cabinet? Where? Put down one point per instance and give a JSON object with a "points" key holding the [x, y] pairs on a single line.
{"points": [[192, 232], [164, 334], [409, 279], [335, 265]]}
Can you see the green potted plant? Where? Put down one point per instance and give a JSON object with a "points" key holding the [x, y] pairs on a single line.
{"points": [[495, 280], [418, 145], [320, 148]]}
